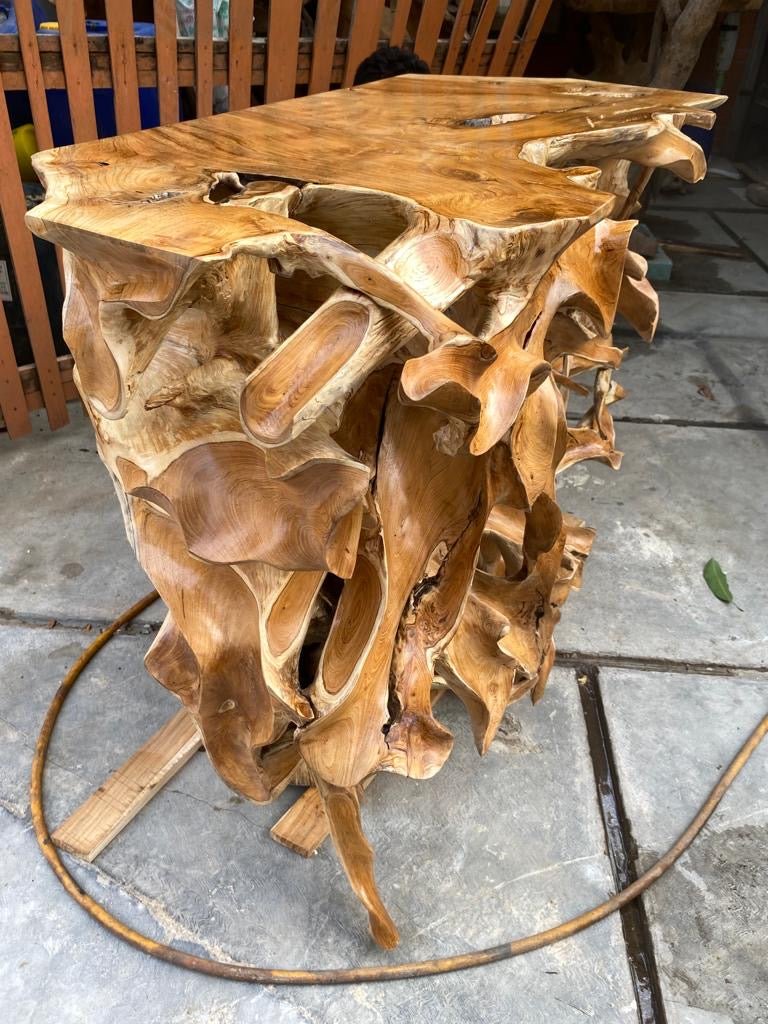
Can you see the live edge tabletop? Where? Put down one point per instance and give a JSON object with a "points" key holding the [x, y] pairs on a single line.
{"points": [[327, 347]]}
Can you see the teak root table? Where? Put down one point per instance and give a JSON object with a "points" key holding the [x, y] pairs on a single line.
{"points": [[327, 347]]}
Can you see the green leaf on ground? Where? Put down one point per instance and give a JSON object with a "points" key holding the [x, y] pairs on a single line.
{"points": [[717, 581]]}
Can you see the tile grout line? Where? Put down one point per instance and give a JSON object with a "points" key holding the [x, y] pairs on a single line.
{"points": [[654, 208], [139, 627], [670, 422], [566, 658], [621, 849], [748, 293]]}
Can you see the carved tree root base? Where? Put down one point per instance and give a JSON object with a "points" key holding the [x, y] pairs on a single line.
{"points": [[327, 347]]}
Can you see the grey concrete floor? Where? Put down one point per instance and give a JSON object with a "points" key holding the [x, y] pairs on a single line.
{"points": [[657, 685]]}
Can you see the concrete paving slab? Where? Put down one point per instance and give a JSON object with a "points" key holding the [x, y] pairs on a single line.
{"points": [[684, 495], [697, 380], [697, 272], [63, 549], [714, 193], [57, 966], [690, 226], [672, 737], [87, 745], [711, 316], [752, 229], [485, 851]]}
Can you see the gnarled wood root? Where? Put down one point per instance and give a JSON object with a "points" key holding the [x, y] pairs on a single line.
{"points": [[335, 413]]}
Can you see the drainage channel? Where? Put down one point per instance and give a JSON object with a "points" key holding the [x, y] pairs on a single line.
{"points": [[621, 851]]}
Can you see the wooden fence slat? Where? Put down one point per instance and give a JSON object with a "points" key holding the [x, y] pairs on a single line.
{"points": [[35, 85], [479, 38], [30, 382], [363, 35], [428, 32], [240, 53], [33, 73], [166, 56], [399, 23], [463, 11], [282, 49], [13, 403], [27, 272], [324, 45], [203, 57], [77, 69], [507, 36], [122, 57], [533, 27]]}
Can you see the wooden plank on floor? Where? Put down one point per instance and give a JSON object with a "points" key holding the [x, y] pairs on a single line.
{"points": [[122, 58], [458, 32], [479, 38], [507, 35], [324, 45], [363, 35], [240, 57], [106, 812], [203, 57], [304, 827], [167, 61], [77, 69], [282, 50], [531, 34], [22, 248]]}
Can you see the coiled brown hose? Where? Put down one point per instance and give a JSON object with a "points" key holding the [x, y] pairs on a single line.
{"points": [[391, 972]]}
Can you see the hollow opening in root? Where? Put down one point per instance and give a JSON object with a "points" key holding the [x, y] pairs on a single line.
{"points": [[367, 220], [493, 119]]}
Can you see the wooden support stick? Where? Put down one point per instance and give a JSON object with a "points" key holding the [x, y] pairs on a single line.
{"points": [[106, 812], [304, 827]]}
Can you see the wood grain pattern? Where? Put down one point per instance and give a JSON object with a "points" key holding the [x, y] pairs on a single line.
{"points": [[166, 60], [327, 347], [96, 822], [122, 55]]}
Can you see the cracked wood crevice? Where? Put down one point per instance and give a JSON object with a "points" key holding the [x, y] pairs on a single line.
{"points": [[327, 348]]}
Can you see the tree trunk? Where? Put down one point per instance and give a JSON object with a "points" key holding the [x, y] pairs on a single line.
{"points": [[683, 44]]}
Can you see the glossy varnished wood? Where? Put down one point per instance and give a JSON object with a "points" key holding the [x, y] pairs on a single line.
{"points": [[327, 346]]}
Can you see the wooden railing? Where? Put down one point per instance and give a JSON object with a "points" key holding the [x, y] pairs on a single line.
{"points": [[475, 37]]}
